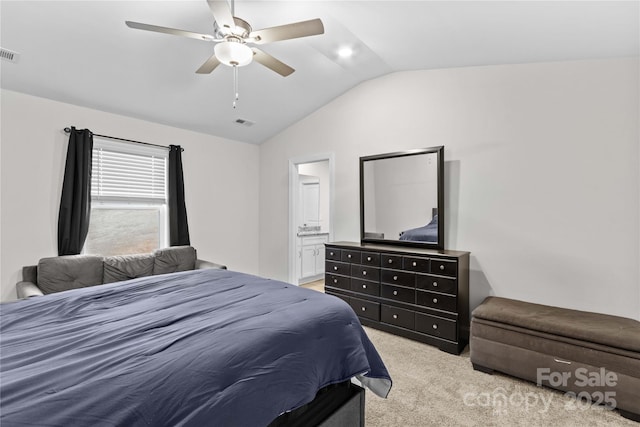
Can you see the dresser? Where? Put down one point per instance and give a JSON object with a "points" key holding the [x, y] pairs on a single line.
{"points": [[421, 294]]}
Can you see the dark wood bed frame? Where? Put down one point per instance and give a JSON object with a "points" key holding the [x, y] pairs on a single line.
{"points": [[337, 405]]}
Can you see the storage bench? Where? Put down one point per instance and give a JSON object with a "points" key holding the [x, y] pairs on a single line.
{"points": [[590, 355]]}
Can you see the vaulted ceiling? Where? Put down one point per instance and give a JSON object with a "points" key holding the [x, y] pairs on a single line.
{"points": [[81, 52]]}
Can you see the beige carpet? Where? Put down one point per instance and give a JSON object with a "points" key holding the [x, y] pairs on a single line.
{"points": [[434, 388]]}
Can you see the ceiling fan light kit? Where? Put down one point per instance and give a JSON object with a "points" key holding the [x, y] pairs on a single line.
{"points": [[234, 53], [232, 36]]}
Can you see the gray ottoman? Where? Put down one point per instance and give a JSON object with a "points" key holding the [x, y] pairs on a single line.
{"points": [[587, 354]]}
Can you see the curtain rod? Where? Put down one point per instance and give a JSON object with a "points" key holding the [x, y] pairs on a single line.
{"points": [[68, 130]]}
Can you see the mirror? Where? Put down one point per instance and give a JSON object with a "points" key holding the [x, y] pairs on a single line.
{"points": [[402, 198]]}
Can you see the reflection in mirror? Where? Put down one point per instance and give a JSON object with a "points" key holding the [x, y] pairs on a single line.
{"points": [[402, 196]]}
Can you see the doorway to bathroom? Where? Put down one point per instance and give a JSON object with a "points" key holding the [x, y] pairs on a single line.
{"points": [[310, 216]]}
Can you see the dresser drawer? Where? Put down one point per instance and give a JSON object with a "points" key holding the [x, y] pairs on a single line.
{"points": [[437, 284], [350, 256], [416, 264], [370, 258], [335, 281], [332, 254], [436, 326], [396, 277], [364, 272], [390, 261], [444, 267], [398, 293], [365, 287], [397, 316], [363, 308], [433, 300], [336, 267]]}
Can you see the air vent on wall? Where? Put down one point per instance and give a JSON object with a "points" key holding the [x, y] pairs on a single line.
{"points": [[9, 55], [244, 122]]}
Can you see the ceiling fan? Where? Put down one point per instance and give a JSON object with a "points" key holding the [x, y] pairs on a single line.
{"points": [[233, 36]]}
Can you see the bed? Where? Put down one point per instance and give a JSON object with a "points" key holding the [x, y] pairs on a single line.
{"points": [[195, 348], [427, 233]]}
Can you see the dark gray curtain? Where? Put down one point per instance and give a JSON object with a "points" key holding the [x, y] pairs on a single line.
{"points": [[75, 202], [178, 226]]}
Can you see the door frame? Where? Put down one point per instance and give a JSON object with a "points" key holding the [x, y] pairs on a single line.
{"points": [[294, 185]]}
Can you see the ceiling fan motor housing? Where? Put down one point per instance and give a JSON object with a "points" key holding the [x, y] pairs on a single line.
{"points": [[241, 30]]}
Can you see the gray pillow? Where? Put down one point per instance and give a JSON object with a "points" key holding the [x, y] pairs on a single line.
{"points": [[62, 273], [176, 258], [125, 267]]}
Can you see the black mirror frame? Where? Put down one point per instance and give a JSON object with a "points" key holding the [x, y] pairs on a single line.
{"points": [[439, 150]]}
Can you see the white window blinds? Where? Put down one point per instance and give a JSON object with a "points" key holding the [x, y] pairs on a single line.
{"points": [[122, 172]]}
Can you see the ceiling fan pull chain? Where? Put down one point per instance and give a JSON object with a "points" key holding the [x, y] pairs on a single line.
{"points": [[235, 85]]}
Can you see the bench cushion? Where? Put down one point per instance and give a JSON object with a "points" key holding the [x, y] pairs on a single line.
{"points": [[174, 259], [126, 267], [606, 330], [63, 273]]}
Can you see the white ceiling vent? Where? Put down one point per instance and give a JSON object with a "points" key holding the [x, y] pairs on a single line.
{"points": [[244, 122], [9, 55]]}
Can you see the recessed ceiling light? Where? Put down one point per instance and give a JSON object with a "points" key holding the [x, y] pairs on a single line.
{"points": [[345, 52]]}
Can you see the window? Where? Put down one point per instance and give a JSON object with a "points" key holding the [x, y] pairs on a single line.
{"points": [[128, 199]]}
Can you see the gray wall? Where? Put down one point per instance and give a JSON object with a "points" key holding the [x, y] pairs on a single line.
{"points": [[221, 183], [541, 167]]}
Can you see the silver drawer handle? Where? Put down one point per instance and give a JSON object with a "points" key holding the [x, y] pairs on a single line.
{"points": [[390, 261], [562, 361], [435, 300], [435, 326], [395, 292], [364, 308], [435, 284], [331, 253], [395, 277], [415, 263], [441, 266], [335, 280], [395, 316], [368, 258], [349, 256], [335, 268], [364, 286], [364, 273]]}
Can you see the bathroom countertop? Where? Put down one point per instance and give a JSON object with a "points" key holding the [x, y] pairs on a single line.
{"points": [[312, 233]]}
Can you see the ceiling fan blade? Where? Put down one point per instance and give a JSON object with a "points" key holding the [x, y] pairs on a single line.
{"points": [[222, 13], [209, 65], [172, 31], [271, 63], [289, 31]]}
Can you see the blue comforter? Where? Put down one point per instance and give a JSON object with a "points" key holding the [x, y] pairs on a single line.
{"points": [[427, 233], [197, 348]]}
